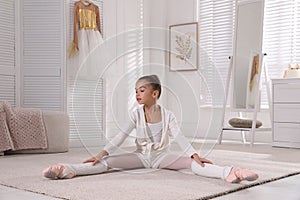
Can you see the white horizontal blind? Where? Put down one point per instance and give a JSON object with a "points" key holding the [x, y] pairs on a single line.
{"points": [[134, 41], [87, 113], [216, 31], [86, 98], [7, 52], [281, 35], [281, 39], [43, 54]]}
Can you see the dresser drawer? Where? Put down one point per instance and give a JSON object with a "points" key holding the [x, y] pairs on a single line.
{"points": [[286, 92], [285, 132], [287, 113]]}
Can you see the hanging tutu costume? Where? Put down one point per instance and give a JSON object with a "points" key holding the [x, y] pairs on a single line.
{"points": [[87, 36]]}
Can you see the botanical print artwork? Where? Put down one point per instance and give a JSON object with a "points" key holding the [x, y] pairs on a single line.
{"points": [[184, 46]]}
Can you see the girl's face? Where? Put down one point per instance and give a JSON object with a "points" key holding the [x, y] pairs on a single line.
{"points": [[145, 93]]}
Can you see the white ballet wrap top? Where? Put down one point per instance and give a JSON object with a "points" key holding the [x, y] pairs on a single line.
{"points": [[152, 137]]}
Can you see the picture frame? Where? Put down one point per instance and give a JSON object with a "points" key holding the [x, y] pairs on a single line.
{"points": [[183, 47], [253, 79]]}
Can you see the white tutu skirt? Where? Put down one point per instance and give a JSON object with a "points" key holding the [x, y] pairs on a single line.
{"points": [[84, 65]]}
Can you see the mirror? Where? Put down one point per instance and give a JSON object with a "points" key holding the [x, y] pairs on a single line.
{"points": [[247, 53]]}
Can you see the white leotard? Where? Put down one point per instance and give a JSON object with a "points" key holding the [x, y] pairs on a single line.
{"points": [[155, 131]]}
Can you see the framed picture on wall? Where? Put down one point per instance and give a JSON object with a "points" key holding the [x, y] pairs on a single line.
{"points": [[183, 47]]}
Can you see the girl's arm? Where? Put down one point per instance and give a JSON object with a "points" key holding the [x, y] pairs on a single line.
{"points": [[109, 148], [122, 135], [185, 145], [175, 134], [115, 142]]}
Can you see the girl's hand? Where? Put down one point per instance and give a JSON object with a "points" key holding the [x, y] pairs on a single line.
{"points": [[97, 158], [94, 160], [200, 160]]}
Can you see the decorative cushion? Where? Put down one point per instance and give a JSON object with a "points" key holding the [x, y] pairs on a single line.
{"points": [[243, 123], [26, 127], [5, 140]]}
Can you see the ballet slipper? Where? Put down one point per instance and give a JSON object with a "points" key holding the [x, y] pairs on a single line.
{"points": [[58, 172], [237, 175]]}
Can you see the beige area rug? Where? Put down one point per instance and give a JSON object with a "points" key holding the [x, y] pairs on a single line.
{"points": [[24, 172]]}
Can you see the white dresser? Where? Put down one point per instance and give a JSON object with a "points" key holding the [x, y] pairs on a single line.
{"points": [[286, 112]]}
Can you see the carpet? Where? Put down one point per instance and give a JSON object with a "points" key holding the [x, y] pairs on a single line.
{"points": [[24, 172]]}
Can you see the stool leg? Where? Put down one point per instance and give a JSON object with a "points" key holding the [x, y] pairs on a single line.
{"points": [[243, 137], [220, 137]]}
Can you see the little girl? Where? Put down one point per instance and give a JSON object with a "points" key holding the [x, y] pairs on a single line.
{"points": [[155, 127]]}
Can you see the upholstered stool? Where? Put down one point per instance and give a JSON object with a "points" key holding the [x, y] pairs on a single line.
{"points": [[57, 131]]}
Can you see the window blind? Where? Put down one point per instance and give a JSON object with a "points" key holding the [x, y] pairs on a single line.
{"points": [[216, 31], [281, 39], [130, 58], [87, 113], [134, 60]]}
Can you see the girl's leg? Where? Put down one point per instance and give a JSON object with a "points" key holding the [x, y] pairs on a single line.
{"points": [[230, 174], [182, 162], [175, 162], [123, 161], [211, 170], [64, 171]]}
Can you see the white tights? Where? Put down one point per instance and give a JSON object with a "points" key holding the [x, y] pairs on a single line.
{"points": [[132, 161]]}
